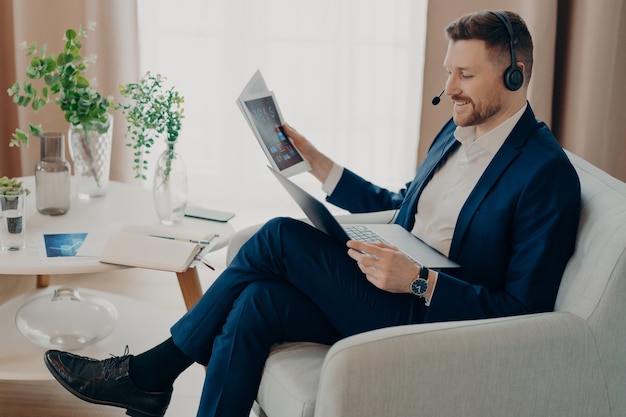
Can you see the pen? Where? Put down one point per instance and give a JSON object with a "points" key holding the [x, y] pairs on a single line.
{"points": [[198, 242], [206, 263]]}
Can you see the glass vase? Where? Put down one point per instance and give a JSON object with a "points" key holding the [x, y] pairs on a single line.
{"points": [[52, 176], [66, 320], [169, 186], [90, 148]]}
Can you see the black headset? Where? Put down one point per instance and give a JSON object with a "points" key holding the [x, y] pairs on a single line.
{"points": [[513, 75]]}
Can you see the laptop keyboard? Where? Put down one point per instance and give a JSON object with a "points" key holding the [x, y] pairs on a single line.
{"points": [[365, 234], [362, 233]]}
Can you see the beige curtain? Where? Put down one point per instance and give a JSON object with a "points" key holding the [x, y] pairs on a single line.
{"points": [[577, 86], [9, 157], [114, 42], [589, 109]]}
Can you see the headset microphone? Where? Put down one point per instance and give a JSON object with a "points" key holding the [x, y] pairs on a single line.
{"points": [[437, 99]]}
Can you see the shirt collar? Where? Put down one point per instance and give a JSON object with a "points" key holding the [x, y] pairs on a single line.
{"points": [[492, 140]]}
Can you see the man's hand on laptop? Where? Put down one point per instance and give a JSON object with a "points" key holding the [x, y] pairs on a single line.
{"points": [[320, 163], [384, 266]]}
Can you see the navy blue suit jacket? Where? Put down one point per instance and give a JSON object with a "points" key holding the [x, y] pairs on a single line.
{"points": [[514, 234]]}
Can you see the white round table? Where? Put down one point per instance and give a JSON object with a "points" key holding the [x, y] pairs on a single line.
{"points": [[123, 204]]}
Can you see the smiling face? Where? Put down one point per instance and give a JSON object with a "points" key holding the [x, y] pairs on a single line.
{"points": [[476, 88]]}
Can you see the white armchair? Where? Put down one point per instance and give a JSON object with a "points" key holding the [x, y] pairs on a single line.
{"points": [[570, 362]]}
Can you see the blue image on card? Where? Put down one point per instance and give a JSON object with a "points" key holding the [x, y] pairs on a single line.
{"points": [[63, 244]]}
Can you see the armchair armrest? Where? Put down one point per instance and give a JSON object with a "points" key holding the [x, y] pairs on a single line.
{"points": [[544, 364], [244, 234]]}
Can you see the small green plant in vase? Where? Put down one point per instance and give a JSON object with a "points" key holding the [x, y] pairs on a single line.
{"points": [[156, 112]]}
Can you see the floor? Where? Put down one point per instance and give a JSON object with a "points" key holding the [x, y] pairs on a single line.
{"points": [[253, 203]]}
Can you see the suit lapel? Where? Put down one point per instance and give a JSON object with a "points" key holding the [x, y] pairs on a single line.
{"points": [[493, 172], [496, 168], [436, 155]]}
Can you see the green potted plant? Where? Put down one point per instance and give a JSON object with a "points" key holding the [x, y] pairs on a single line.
{"points": [[11, 186], [62, 78], [153, 112], [11, 190]]}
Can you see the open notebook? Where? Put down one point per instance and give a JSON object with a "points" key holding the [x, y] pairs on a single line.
{"points": [[153, 247]]}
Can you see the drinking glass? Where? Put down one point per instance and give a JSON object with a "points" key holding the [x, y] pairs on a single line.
{"points": [[13, 220]]}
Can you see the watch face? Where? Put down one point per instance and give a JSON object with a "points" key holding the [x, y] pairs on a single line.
{"points": [[419, 287]]}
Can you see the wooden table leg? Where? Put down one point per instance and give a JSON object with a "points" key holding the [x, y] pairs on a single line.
{"points": [[189, 282], [43, 281]]}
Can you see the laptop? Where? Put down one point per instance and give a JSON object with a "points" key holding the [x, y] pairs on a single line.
{"points": [[392, 234]]}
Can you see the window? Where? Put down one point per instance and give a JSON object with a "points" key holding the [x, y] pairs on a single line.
{"points": [[346, 73]]}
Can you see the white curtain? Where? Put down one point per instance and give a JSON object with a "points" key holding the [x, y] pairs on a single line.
{"points": [[346, 73]]}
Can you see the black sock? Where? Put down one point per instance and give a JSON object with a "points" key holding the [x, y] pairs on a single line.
{"points": [[156, 369]]}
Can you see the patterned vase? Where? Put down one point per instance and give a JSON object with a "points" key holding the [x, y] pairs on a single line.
{"points": [[90, 148]]}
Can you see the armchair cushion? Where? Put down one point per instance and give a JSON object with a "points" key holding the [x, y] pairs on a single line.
{"points": [[298, 399]]}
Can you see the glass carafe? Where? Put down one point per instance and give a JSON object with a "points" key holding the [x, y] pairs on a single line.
{"points": [[52, 176]]}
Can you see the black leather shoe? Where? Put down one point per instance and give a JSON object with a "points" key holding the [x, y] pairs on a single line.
{"points": [[105, 382]]}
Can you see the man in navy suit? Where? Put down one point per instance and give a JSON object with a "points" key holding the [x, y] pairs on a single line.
{"points": [[495, 193]]}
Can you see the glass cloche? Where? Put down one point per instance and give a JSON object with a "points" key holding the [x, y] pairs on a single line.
{"points": [[66, 319]]}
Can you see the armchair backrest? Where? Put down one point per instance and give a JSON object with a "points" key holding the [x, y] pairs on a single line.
{"points": [[594, 283]]}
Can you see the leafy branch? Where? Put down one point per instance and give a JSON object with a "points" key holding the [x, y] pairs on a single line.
{"points": [[155, 111], [61, 77]]}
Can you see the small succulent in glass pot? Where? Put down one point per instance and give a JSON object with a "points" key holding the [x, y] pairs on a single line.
{"points": [[12, 213]]}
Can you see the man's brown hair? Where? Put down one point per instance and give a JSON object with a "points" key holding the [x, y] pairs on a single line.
{"points": [[487, 27]]}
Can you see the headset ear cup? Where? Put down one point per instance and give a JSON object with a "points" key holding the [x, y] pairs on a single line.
{"points": [[513, 75], [513, 78]]}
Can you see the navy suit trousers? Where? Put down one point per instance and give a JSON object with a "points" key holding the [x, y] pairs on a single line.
{"points": [[288, 283]]}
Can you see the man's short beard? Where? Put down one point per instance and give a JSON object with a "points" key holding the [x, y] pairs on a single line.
{"points": [[479, 115]]}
